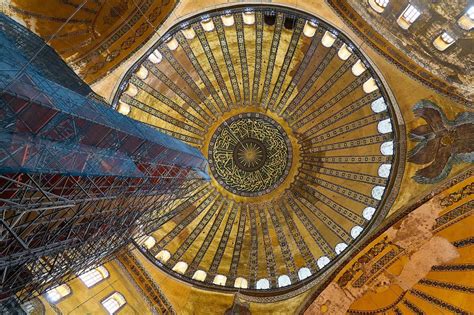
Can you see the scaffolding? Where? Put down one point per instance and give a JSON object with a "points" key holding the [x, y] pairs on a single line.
{"points": [[78, 181]]}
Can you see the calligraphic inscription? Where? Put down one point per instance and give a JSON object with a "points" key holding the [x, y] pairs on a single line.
{"points": [[250, 154]]}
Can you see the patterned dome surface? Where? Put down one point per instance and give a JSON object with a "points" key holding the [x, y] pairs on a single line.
{"points": [[301, 141]]}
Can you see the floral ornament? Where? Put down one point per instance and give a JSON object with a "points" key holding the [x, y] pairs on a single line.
{"points": [[442, 142]]}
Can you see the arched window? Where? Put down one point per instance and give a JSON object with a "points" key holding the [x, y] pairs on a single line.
{"points": [[309, 29], [248, 17], [304, 273], [378, 105], [94, 276], [340, 248], [466, 22], [328, 39], [142, 73], [189, 32], [384, 126], [368, 213], [114, 302], [163, 256], [220, 280], [377, 192], [227, 19], [443, 41], [355, 231], [207, 24], [155, 57], [408, 16], [180, 267], [386, 148], [172, 43], [200, 275], [378, 5], [323, 261], [283, 281], [384, 170], [123, 108], [263, 284], [358, 68], [149, 242], [369, 86], [344, 52], [58, 293], [241, 283]]}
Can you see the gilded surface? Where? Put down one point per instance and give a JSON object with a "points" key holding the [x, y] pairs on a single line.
{"points": [[250, 154]]}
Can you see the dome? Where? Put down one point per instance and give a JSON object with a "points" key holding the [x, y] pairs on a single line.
{"points": [[300, 136]]}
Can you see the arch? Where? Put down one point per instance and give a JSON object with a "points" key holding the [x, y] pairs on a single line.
{"points": [[378, 105], [142, 72], [227, 20], [384, 170], [131, 90], [248, 17], [188, 32], [180, 267], [114, 302], [328, 39], [358, 68], [149, 242], [377, 192], [172, 43], [378, 5], [304, 273], [155, 57], [163, 256], [368, 213], [386, 148], [356, 230], [58, 293], [220, 280], [443, 41], [309, 29], [200, 275], [340, 248], [385, 126], [322, 261], [262, 284], [408, 16], [94, 276], [344, 52], [207, 24], [123, 108], [370, 85], [241, 283], [283, 281]]}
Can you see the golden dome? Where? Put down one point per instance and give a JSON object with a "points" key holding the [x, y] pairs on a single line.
{"points": [[301, 139]]}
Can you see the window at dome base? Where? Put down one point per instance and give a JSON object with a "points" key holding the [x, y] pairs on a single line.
{"points": [[301, 138]]}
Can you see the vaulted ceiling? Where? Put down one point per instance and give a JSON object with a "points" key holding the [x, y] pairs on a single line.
{"points": [[299, 133]]}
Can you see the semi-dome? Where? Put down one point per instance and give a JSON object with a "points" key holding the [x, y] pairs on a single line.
{"points": [[300, 135]]}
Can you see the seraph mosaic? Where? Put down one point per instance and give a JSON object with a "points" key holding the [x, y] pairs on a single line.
{"points": [[442, 142]]}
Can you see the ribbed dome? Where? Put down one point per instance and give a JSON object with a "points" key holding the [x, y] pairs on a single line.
{"points": [[299, 133]]}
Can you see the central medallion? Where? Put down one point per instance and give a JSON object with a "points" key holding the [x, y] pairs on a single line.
{"points": [[250, 154]]}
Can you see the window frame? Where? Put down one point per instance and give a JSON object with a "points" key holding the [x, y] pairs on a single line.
{"points": [[95, 269], [109, 296], [62, 297]]}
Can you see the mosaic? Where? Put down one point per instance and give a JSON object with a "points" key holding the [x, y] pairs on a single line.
{"points": [[249, 154]]}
